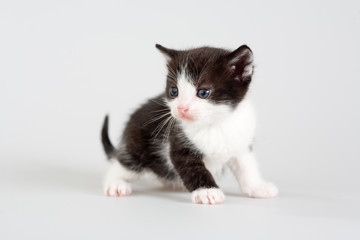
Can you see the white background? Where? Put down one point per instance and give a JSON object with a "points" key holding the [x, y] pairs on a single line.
{"points": [[65, 64]]}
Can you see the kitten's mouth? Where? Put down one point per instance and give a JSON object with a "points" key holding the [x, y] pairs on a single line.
{"points": [[187, 118], [184, 117]]}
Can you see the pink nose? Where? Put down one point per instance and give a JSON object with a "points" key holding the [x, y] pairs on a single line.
{"points": [[182, 110]]}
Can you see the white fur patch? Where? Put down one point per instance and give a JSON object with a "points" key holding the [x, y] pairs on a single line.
{"points": [[223, 140], [247, 173], [117, 180], [187, 91], [262, 190], [248, 70], [185, 99], [208, 196]]}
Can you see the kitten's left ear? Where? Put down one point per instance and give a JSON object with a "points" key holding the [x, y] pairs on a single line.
{"points": [[168, 53], [240, 64]]}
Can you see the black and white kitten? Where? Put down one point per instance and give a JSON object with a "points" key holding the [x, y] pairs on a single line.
{"points": [[201, 123]]}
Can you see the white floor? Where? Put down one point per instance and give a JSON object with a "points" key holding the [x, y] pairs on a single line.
{"points": [[54, 201]]}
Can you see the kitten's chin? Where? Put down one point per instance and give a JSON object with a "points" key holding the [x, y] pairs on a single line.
{"points": [[184, 118]]}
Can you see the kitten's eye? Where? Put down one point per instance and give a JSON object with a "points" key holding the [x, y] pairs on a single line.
{"points": [[203, 93], [174, 92]]}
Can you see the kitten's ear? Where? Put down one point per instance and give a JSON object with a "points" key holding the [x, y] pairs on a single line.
{"points": [[168, 53], [240, 64]]}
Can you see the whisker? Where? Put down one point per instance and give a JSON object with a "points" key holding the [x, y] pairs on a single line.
{"points": [[157, 101], [160, 127], [173, 123], [161, 110], [168, 130], [157, 117]]}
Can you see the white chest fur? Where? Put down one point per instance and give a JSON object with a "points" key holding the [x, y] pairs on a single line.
{"points": [[226, 139]]}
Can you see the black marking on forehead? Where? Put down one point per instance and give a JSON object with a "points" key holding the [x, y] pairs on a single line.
{"points": [[198, 63]]}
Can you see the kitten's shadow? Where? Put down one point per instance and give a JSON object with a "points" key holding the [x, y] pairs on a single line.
{"points": [[154, 188], [52, 177], [235, 194]]}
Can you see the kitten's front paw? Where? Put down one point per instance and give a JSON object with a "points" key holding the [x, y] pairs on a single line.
{"points": [[262, 190], [117, 188], [208, 196]]}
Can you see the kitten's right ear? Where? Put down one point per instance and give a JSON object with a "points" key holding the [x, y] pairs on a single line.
{"points": [[240, 64], [168, 53]]}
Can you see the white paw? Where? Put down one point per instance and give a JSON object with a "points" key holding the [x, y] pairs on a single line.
{"points": [[262, 190], [117, 188], [208, 196]]}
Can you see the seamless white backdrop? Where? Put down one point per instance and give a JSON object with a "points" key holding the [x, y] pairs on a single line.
{"points": [[65, 64]]}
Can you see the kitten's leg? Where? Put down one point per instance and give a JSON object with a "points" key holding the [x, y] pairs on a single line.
{"points": [[247, 173], [196, 178], [117, 180]]}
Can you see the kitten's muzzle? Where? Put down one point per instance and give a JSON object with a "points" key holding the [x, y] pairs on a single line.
{"points": [[183, 113], [182, 110]]}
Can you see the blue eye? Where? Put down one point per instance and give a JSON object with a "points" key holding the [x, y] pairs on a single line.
{"points": [[203, 93], [174, 92]]}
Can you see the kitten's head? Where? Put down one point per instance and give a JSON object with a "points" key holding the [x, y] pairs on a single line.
{"points": [[206, 84]]}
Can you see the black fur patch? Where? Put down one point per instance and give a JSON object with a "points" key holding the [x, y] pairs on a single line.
{"points": [[188, 163], [108, 147]]}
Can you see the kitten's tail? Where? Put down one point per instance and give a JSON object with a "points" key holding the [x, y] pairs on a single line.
{"points": [[108, 147]]}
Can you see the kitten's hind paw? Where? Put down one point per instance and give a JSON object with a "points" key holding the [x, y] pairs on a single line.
{"points": [[117, 188], [208, 196]]}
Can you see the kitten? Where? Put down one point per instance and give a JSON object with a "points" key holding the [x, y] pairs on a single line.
{"points": [[202, 122]]}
